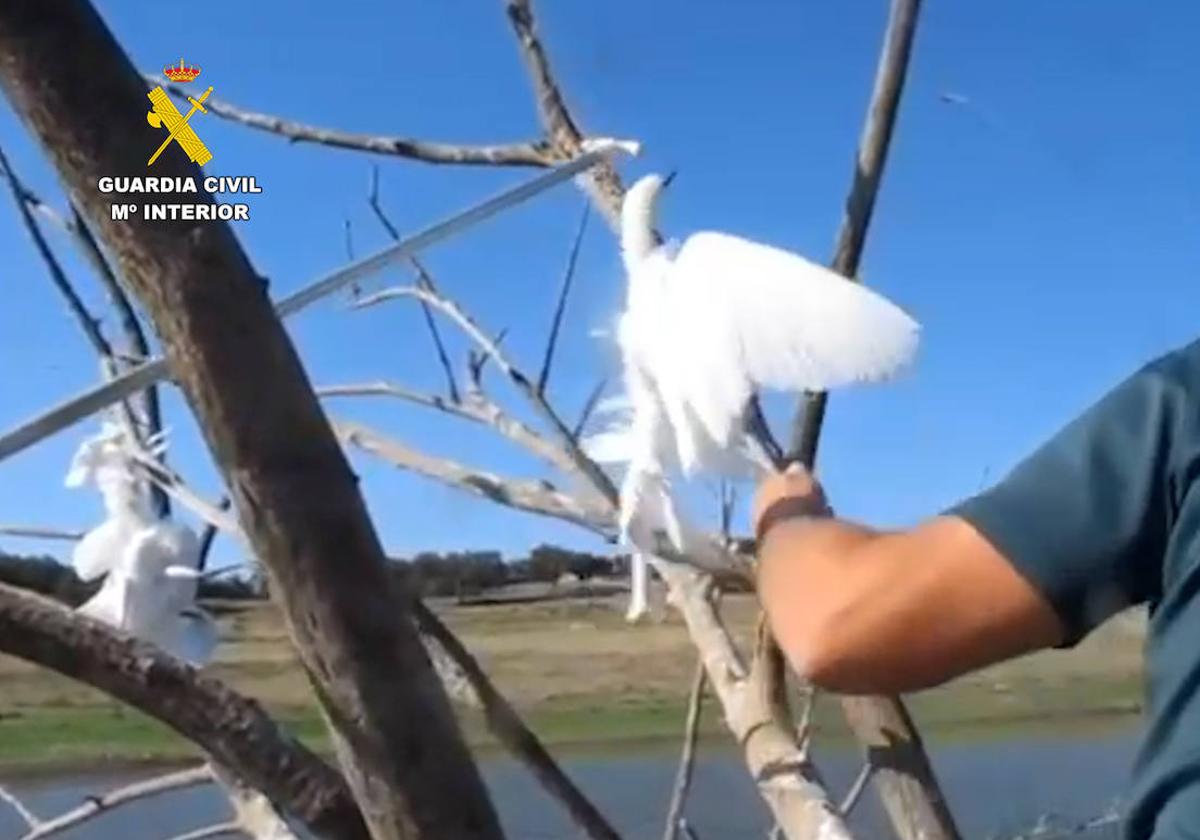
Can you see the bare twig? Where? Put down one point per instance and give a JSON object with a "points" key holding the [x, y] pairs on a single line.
{"points": [[31, 820], [603, 184], [508, 728], [536, 153], [581, 462], [233, 729], [96, 805], [854, 794], [589, 406], [869, 164], [539, 497], [75, 304], [561, 306], [34, 533], [424, 279], [135, 336], [208, 536], [475, 407], [27, 202], [687, 760], [154, 370]]}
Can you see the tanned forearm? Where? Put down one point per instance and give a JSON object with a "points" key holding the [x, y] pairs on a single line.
{"points": [[858, 611]]}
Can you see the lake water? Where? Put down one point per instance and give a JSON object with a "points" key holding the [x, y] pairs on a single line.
{"points": [[997, 787]]}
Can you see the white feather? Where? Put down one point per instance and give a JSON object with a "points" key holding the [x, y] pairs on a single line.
{"points": [[150, 563], [708, 324]]}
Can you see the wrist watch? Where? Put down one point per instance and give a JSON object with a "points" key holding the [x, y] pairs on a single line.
{"points": [[788, 508]]}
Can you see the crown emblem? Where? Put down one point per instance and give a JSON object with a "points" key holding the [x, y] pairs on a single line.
{"points": [[181, 73]]}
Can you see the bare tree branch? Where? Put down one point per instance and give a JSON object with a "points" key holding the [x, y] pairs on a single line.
{"points": [[869, 165], [465, 679], [580, 461], [97, 805], [539, 497], [561, 306], [854, 794], [536, 153], [508, 728], [589, 406], [233, 729], [603, 182], [687, 760], [786, 780], [425, 280], [255, 815], [30, 819], [475, 407], [34, 533], [296, 496]]}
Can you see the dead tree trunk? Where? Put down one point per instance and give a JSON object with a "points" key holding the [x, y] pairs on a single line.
{"points": [[296, 497]]}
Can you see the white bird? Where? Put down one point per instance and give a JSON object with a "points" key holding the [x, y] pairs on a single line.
{"points": [[708, 324], [150, 564]]}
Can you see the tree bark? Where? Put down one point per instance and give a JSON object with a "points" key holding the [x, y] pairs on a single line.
{"points": [[296, 497], [231, 728]]}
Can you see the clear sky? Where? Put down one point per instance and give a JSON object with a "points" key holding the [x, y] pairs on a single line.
{"points": [[1043, 227]]}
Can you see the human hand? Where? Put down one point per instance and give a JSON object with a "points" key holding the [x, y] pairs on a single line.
{"points": [[791, 493]]}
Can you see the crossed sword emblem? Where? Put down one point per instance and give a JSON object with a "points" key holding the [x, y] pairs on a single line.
{"points": [[165, 113]]}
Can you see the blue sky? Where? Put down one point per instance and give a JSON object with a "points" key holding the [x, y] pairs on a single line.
{"points": [[1044, 230]]}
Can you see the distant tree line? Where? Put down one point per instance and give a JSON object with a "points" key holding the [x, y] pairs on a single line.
{"points": [[455, 574], [464, 573]]}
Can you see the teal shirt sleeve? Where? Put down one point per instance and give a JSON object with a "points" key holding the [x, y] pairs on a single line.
{"points": [[1086, 518]]}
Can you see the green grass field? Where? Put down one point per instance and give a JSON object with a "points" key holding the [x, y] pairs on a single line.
{"points": [[577, 672]]}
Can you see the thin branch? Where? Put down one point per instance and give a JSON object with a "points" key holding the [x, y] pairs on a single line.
{"points": [[26, 202], [131, 327], [603, 184], [687, 760], [538, 497], [589, 406], [75, 304], [869, 165], [579, 459], [561, 306], [233, 729], [209, 535], [476, 407], [508, 728], [536, 153], [424, 279], [854, 794], [31, 820], [96, 805], [503, 721], [34, 533]]}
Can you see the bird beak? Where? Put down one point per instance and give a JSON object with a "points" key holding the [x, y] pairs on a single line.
{"points": [[671, 177]]}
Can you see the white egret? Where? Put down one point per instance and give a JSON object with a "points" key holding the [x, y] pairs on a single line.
{"points": [[707, 324], [149, 564]]}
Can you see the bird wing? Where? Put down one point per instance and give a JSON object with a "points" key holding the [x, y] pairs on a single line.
{"points": [[799, 324], [748, 316]]}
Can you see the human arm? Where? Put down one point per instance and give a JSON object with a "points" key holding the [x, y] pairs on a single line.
{"points": [[861, 611], [1076, 532]]}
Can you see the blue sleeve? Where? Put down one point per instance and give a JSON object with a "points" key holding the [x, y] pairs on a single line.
{"points": [[1087, 517]]}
